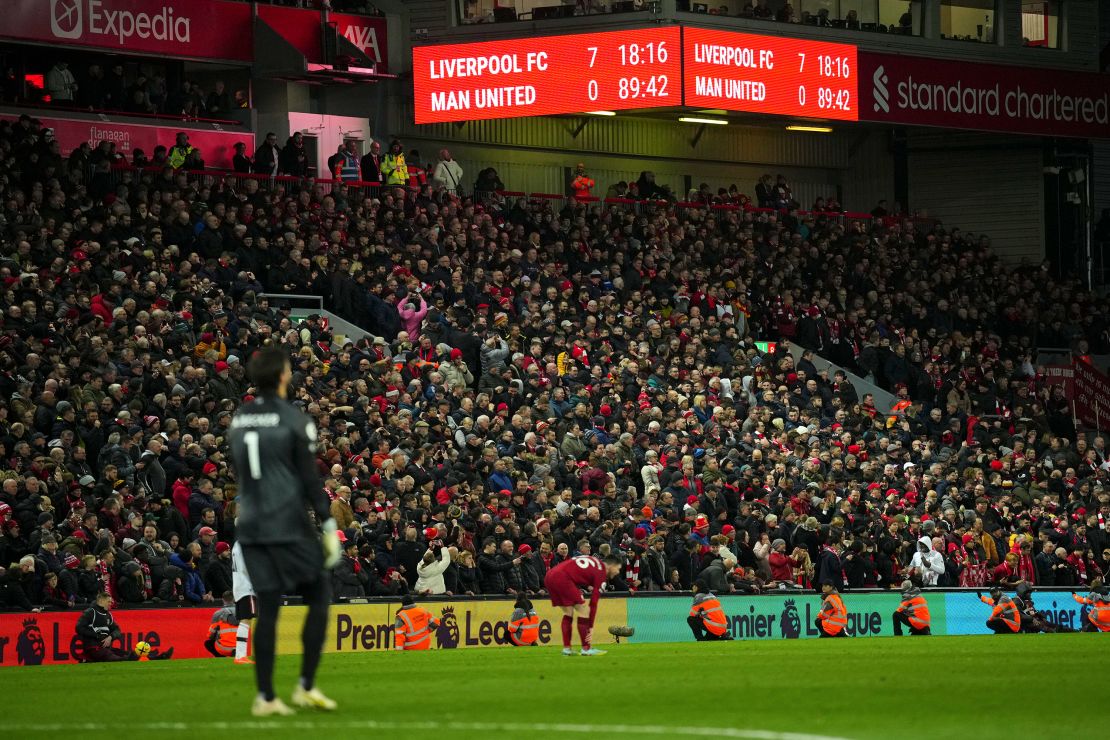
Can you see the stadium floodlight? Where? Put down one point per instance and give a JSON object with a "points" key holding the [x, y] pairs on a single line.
{"points": [[811, 129], [710, 121]]}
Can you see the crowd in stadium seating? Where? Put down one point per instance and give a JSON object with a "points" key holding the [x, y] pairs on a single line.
{"points": [[139, 89], [538, 384]]}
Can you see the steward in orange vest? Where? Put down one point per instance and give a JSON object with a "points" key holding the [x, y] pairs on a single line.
{"points": [[222, 634], [1098, 618], [833, 617], [1005, 619], [413, 628], [913, 612], [707, 619], [524, 625]]}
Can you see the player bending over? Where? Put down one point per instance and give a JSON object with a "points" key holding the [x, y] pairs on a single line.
{"points": [[565, 583]]}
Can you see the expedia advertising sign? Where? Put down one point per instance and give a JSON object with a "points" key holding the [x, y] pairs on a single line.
{"points": [[184, 28], [463, 624], [985, 97], [773, 616]]}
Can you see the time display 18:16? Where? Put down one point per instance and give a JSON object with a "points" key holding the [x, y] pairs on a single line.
{"points": [[634, 87], [831, 68], [768, 74]]}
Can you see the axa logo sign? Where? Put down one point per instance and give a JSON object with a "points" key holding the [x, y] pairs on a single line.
{"points": [[87, 19], [881, 91], [65, 19], [366, 39]]}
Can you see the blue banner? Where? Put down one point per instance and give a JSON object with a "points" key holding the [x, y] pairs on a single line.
{"points": [[772, 616], [967, 615]]}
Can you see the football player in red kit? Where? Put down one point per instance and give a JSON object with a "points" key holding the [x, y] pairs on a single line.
{"points": [[565, 583]]}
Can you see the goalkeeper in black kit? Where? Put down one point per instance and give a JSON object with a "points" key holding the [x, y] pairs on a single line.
{"points": [[273, 450]]}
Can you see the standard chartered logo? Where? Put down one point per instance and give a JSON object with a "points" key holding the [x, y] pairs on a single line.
{"points": [[882, 94], [65, 18]]}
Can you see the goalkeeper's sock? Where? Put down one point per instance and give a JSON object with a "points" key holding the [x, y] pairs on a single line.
{"points": [[242, 639], [585, 627], [568, 630]]}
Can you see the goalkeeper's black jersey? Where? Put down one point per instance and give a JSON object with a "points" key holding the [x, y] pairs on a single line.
{"points": [[273, 452]]}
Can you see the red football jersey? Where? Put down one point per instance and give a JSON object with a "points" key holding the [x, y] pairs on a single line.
{"points": [[583, 571]]}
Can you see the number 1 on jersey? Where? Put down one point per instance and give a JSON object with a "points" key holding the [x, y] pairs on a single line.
{"points": [[254, 462]]}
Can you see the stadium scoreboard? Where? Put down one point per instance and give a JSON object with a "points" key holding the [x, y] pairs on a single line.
{"points": [[769, 74], [546, 75], [658, 67]]}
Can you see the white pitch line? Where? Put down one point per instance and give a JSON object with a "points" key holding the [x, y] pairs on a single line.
{"points": [[514, 727]]}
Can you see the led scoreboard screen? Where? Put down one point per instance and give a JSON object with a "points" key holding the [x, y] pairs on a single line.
{"points": [[656, 67], [769, 74], [548, 75]]}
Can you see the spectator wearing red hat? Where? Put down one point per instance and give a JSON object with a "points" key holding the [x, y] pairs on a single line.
{"points": [[217, 576], [456, 372], [222, 385]]}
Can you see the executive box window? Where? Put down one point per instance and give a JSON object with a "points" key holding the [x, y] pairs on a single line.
{"points": [[500, 11], [968, 20], [882, 16], [1040, 24]]}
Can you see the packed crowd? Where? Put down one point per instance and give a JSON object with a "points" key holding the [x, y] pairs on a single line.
{"points": [[537, 385], [146, 88]]}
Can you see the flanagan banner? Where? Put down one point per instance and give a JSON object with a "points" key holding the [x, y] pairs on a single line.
{"points": [[985, 97], [216, 147]]}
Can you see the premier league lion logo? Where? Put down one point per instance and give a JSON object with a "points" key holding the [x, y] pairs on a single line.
{"points": [[447, 634], [789, 623], [30, 648]]}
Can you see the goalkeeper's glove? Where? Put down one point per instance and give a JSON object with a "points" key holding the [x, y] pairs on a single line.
{"points": [[331, 544]]}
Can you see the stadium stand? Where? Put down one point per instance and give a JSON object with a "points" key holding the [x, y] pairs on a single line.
{"points": [[544, 377]]}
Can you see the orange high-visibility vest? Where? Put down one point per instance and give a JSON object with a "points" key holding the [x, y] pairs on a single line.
{"points": [[712, 615], [1005, 610], [917, 611], [526, 630], [413, 629], [225, 637], [833, 615], [1099, 615]]}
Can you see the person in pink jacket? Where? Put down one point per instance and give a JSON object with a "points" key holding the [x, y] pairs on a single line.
{"points": [[412, 309]]}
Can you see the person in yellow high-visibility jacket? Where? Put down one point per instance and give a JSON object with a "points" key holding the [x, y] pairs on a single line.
{"points": [[833, 617], [707, 619], [913, 612], [1098, 618], [1005, 618], [414, 625], [524, 624]]}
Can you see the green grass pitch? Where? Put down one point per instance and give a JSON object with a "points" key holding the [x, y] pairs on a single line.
{"points": [[1026, 686]]}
